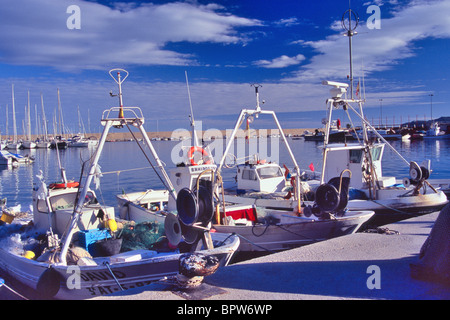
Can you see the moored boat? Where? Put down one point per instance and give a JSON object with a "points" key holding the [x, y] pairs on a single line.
{"points": [[272, 225], [62, 254], [390, 197]]}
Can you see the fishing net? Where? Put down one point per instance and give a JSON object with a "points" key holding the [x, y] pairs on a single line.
{"points": [[144, 235]]}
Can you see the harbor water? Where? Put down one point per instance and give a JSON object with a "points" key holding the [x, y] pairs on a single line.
{"points": [[125, 168]]}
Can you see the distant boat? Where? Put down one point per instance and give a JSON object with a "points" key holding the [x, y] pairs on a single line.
{"points": [[59, 143], [9, 158], [336, 133], [434, 132]]}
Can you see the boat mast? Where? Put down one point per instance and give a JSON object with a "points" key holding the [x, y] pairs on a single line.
{"points": [[119, 81], [28, 117], [350, 32], [14, 115], [44, 119], [191, 116]]}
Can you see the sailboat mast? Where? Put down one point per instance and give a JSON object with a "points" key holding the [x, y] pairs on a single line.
{"points": [[28, 117], [14, 115], [44, 119]]}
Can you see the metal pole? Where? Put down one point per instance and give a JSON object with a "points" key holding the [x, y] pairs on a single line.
{"points": [[158, 161], [77, 212], [431, 105]]}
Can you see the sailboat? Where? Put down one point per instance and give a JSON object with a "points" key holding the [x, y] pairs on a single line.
{"points": [[80, 140], [14, 145]]}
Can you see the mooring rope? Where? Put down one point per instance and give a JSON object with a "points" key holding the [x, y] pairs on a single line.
{"points": [[112, 274], [2, 283]]}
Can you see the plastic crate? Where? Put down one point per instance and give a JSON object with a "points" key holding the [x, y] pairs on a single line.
{"points": [[88, 238]]}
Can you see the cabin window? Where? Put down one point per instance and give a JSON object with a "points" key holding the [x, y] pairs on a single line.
{"points": [[248, 175], [269, 172], [64, 201], [375, 153], [355, 156]]}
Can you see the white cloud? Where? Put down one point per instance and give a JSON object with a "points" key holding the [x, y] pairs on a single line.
{"points": [[377, 49], [287, 22], [127, 34], [280, 62]]}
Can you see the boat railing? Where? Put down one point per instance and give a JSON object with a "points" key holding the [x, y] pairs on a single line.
{"points": [[130, 115]]}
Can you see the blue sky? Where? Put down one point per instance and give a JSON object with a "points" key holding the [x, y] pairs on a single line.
{"points": [[288, 47]]}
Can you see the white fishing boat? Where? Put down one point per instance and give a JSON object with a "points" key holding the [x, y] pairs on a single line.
{"points": [[46, 256], [390, 197], [272, 225]]}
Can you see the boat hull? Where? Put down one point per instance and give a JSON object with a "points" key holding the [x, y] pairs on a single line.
{"points": [[294, 231], [83, 282], [399, 208]]}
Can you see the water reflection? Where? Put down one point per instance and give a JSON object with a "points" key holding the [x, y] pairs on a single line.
{"points": [[119, 157]]}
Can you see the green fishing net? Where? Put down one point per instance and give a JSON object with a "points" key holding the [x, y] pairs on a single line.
{"points": [[144, 235]]}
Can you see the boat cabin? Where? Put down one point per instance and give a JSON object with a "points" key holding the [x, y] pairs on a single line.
{"points": [[352, 156], [187, 176], [260, 177], [56, 210]]}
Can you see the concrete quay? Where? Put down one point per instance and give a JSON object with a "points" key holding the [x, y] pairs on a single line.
{"points": [[359, 266]]}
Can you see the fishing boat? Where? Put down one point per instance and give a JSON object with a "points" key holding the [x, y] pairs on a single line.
{"points": [[390, 197], [268, 226], [55, 254]]}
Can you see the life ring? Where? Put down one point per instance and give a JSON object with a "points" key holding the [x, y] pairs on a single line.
{"points": [[199, 149], [62, 185]]}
